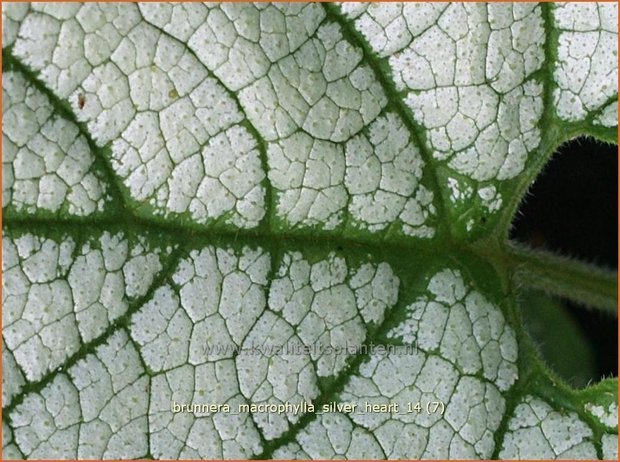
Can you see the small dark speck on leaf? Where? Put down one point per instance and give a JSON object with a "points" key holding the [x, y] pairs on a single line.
{"points": [[81, 101]]}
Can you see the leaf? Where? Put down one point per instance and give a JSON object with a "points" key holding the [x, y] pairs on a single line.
{"points": [[558, 336], [286, 205]]}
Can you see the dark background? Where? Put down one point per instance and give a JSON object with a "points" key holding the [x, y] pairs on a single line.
{"points": [[573, 209]]}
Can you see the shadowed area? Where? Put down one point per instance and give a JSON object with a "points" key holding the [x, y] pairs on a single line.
{"points": [[573, 209]]}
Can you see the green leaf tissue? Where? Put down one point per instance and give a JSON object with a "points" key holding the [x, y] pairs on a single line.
{"points": [[281, 231]]}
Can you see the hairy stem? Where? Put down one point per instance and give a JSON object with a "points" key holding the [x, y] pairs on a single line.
{"points": [[582, 282]]}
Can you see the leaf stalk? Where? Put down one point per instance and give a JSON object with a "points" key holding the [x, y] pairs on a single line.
{"points": [[582, 282]]}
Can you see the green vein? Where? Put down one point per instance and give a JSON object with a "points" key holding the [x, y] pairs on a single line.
{"points": [[63, 109], [189, 233], [554, 131], [262, 146], [335, 386], [353, 36], [89, 347]]}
